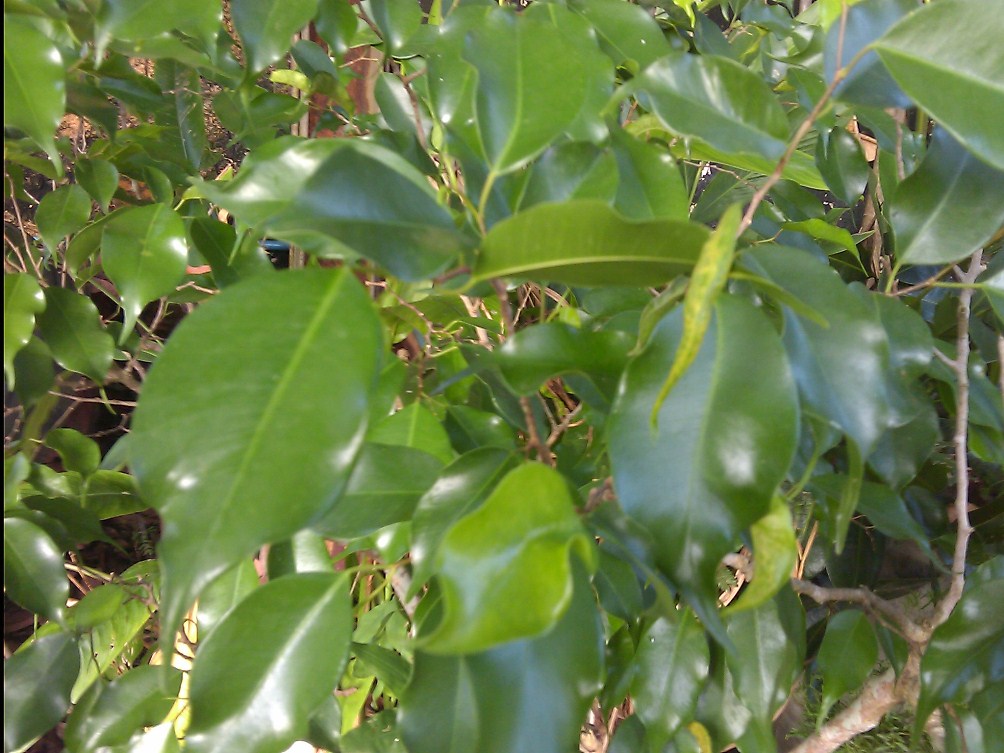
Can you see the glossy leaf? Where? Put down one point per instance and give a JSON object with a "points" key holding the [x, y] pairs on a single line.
{"points": [[225, 477], [588, 243], [34, 86], [144, 251], [958, 85], [470, 429], [110, 714], [717, 101], [108, 640], [650, 184], [950, 207], [61, 213], [33, 367], [627, 34], [515, 548], [775, 551], [572, 170], [99, 178], [71, 327], [305, 552], [846, 657], [269, 664], [226, 592], [36, 688], [143, 19], [530, 694], [672, 664], [34, 576], [725, 436], [842, 164], [414, 426], [22, 301], [79, 453], [266, 28]]}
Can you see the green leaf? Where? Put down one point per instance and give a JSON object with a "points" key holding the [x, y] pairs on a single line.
{"points": [[719, 709], [308, 192], [966, 653], [225, 592], [716, 101], [304, 552], [529, 86], [571, 170], [384, 488], [99, 178], [461, 488], [846, 657], [34, 576], [627, 33], [35, 373], [706, 282], [109, 494], [34, 85], [108, 640], [79, 453], [389, 666], [144, 251], [820, 229], [842, 164], [672, 664], [61, 213], [71, 327], [98, 605], [269, 664], [726, 436], [515, 548], [110, 713], [470, 428], [950, 207], [220, 467], [650, 184], [588, 243], [775, 551], [959, 85], [36, 688], [22, 301], [266, 28], [142, 20], [528, 695], [414, 426]]}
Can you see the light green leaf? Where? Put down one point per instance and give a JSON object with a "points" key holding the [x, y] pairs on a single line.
{"points": [[266, 28], [304, 552], [269, 664], [775, 551], [61, 213], [78, 452], [36, 688], [414, 426], [949, 207], [515, 548], [224, 472], [144, 251], [34, 86], [34, 576], [822, 230], [225, 592], [846, 657], [957, 81], [588, 243], [143, 19], [22, 301], [100, 178], [726, 435], [108, 640], [71, 327]]}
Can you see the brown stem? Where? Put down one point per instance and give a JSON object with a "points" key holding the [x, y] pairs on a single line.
{"points": [[862, 596]]}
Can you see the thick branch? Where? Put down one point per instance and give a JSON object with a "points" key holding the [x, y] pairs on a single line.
{"points": [[877, 699], [892, 612]]}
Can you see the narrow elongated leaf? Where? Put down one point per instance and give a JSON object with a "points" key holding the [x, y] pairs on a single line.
{"points": [[717, 101], [846, 657], [672, 664], [231, 469], [71, 327], [528, 695], [266, 28], [36, 688], [949, 207], [22, 301], [269, 664], [588, 243], [726, 435], [960, 86], [34, 85], [144, 251], [34, 576], [706, 282], [62, 212], [775, 551], [514, 548]]}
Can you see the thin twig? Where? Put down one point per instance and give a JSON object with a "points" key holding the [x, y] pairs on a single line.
{"points": [[863, 597]]}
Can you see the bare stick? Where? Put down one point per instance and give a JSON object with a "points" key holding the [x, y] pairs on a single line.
{"points": [[822, 595]]}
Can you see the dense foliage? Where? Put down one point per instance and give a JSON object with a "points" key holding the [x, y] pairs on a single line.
{"points": [[638, 363]]}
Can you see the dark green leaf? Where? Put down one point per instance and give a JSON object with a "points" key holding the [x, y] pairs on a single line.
{"points": [[79, 453], [573, 170], [61, 213], [266, 28], [33, 569], [35, 372], [71, 327], [627, 33], [269, 664], [224, 472], [304, 552], [650, 184], [725, 436], [22, 301], [842, 164], [224, 593], [846, 657], [36, 688], [99, 178], [470, 428], [515, 548], [588, 243], [109, 494]]}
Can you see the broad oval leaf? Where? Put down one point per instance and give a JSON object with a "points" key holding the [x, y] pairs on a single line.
{"points": [[627, 33], [950, 207], [34, 85], [231, 466], [269, 664], [414, 426], [588, 243], [144, 251], [71, 327], [62, 212], [846, 657], [22, 301], [650, 184], [34, 576], [959, 85], [514, 549], [725, 437], [100, 178], [266, 28]]}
